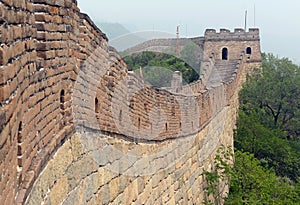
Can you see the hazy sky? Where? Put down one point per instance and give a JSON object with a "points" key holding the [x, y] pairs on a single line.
{"points": [[279, 21]]}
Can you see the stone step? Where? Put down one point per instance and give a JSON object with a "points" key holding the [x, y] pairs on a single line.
{"points": [[222, 72]]}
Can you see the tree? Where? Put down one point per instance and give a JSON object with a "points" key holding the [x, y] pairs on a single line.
{"points": [[190, 53], [251, 183], [268, 124], [268, 128], [156, 65], [268, 145], [217, 178], [277, 94]]}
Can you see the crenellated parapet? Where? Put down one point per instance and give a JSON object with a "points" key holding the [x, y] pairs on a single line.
{"points": [[237, 35]]}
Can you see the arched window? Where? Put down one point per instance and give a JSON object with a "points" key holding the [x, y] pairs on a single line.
{"points": [[139, 123], [166, 126], [248, 50], [62, 100], [96, 105], [224, 54]]}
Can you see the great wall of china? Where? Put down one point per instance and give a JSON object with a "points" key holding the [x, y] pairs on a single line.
{"points": [[76, 127]]}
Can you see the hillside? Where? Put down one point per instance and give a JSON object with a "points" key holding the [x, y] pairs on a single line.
{"points": [[267, 138], [112, 30]]}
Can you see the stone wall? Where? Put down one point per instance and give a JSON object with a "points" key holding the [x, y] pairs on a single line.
{"points": [[89, 170], [168, 45], [65, 95], [99, 167]]}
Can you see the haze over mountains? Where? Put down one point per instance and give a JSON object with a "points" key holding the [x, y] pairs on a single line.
{"points": [[112, 30], [123, 37]]}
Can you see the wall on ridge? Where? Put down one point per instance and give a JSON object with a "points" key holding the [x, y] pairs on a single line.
{"points": [[58, 77], [168, 45], [95, 167]]}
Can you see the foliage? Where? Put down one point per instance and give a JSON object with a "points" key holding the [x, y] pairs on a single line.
{"points": [[268, 124], [159, 67], [190, 55], [157, 76], [268, 145], [267, 165], [251, 183], [276, 95], [219, 177]]}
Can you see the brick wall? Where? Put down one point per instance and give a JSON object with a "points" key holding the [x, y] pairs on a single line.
{"points": [[59, 77]]}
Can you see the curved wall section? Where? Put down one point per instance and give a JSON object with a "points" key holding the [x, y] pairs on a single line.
{"points": [[65, 96], [95, 168]]}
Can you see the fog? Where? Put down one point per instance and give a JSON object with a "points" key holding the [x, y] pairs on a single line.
{"points": [[278, 21]]}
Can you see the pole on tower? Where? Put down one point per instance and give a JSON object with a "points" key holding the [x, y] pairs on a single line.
{"points": [[245, 20], [177, 42], [254, 16]]}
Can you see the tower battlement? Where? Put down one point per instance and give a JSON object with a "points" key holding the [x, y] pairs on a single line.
{"points": [[238, 34]]}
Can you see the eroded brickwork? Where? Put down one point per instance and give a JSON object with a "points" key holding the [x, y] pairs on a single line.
{"points": [[62, 86]]}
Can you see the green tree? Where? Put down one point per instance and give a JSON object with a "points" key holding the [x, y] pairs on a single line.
{"points": [[217, 178], [277, 93], [269, 120], [251, 183], [190, 54], [268, 128], [268, 145], [155, 65]]}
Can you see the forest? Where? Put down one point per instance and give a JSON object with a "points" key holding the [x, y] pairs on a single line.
{"points": [[267, 139]]}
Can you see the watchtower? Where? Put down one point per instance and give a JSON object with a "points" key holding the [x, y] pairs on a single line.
{"points": [[228, 45]]}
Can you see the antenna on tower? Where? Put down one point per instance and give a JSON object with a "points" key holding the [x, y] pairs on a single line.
{"points": [[245, 20], [177, 41], [254, 15]]}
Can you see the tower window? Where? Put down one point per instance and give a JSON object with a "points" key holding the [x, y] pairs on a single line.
{"points": [[96, 105], [224, 54], [139, 123], [62, 99], [248, 50]]}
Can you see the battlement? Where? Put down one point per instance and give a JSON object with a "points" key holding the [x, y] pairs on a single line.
{"points": [[238, 34]]}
